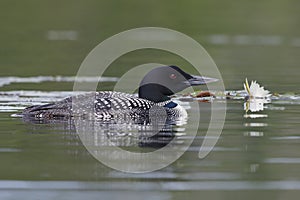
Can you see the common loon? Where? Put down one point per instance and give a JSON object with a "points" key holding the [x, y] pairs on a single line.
{"points": [[153, 92]]}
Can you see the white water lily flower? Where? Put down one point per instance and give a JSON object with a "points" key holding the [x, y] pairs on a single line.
{"points": [[255, 90]]}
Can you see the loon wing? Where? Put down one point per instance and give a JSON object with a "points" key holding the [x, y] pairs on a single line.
{"points": [[58, 109]]}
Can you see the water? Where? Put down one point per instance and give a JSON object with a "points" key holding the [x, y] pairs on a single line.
{"points": [[257, 155], [257, 152]]}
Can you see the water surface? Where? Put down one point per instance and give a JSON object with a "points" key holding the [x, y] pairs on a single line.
{"points": [[256, 152]]}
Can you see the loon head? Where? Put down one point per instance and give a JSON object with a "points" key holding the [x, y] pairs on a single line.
{"points": [[161, 82]]}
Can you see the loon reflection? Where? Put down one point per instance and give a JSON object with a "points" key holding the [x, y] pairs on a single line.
{"points": [[112, 133]]}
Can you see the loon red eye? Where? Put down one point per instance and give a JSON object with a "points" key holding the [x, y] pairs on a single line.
{"points": [[172, 76]]}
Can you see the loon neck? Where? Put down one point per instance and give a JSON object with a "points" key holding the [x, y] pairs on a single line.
{"points": [[153, 93]]}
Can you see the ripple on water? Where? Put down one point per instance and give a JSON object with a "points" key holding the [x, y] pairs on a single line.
{"points": [[38, 79], [150, 186], [283, 160], [9, 150], [254, 133], [285, 138], [255, 124]]}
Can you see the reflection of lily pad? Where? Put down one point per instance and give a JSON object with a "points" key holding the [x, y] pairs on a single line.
{"points": [[255, 105], [254, 116]]}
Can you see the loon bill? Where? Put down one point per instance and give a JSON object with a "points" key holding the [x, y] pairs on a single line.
{"points": [[154, 91]]}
